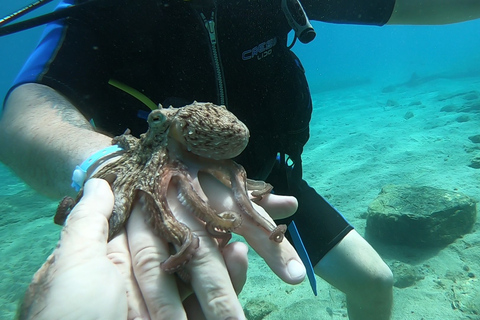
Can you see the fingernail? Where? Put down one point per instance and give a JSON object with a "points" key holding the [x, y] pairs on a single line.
{"points": [[296, 269]]}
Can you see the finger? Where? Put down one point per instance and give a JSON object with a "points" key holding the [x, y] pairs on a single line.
{"points": [[235, 256], [86, 229], [81, 270], [210, 279], [119, 254], [278, 207], [236, 260], [280, 257], [159, 289], [211, 282]]}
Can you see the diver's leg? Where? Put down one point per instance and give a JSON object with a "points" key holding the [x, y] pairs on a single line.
{"points": [[340, 255], [355, 268]]}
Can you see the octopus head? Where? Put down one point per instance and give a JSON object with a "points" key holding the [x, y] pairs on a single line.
{"points": [[209, 131]]}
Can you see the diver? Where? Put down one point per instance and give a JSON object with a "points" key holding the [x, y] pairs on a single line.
{"points": [[98, 70]]}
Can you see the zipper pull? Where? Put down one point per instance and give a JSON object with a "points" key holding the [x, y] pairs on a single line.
{"points": [[210, 25]]}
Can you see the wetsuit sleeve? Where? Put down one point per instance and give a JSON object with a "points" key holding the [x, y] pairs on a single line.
{"points": [[71, 59], [371, 12]]}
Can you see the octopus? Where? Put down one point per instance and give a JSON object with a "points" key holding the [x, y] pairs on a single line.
{"points": [[160, 158]]}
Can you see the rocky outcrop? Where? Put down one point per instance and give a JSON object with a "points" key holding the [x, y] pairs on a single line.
{"points": [[420, 216], [475, 162]]}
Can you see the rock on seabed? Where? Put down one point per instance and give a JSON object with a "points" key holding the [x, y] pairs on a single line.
{"points": [[420, 216]]}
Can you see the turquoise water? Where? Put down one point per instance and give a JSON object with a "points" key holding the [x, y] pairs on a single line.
{"points": [[346, 54], [345, 65]]}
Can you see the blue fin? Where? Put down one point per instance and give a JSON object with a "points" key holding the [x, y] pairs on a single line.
{"points": [[297, 241]]}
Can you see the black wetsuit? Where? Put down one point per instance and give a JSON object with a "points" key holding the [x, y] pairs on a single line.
{"points": [[163, 49]]}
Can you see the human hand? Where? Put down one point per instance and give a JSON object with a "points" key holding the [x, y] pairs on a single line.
{"points": [[86, 277], [216, 280], [78, 280], [281, 257]]}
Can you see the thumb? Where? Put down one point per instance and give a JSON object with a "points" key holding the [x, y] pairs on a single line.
{"points": [[86, 228]]}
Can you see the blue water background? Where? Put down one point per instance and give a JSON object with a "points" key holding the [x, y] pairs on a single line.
{"points": [[340, 55], [352, 54]]}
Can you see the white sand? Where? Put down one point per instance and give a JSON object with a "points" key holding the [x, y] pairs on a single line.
{"points": [[358, 144]]}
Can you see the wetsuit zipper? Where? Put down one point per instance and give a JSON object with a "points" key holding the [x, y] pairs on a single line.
{"points": [[210, 26]]}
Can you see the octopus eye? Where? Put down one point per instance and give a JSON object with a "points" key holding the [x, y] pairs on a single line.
{"points": [[156, 118]]}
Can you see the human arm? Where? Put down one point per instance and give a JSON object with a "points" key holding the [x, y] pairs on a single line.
{"points": [[434, 11], [379, 12], [43, 137]]}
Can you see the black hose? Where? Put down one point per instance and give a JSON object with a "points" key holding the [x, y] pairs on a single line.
{"points": [[49, 17], [17, 14], [35, 22]]}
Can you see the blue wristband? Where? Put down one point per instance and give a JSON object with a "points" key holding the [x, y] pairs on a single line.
{"points": [[82, 171]]}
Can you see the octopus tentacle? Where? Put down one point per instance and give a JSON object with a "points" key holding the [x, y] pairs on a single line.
{"points": [[258, 188], [123, 191], [173, 231], [217, 223], [233, 176], [167, 227], [278, 233], [63, 210], [222, 237]]}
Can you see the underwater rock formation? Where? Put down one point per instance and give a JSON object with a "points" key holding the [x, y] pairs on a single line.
{"points": [[475, 162], [408, 115], [405, 275], [475, 138], [420, 216]]}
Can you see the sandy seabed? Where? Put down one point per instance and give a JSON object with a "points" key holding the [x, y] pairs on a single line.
{"points": [[361, 140]]}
